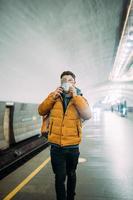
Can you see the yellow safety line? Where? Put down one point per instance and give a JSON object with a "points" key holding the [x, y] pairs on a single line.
{"points": [[25, 181]]}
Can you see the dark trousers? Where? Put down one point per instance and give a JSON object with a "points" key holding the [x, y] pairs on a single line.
{"points": [[64, 163]]}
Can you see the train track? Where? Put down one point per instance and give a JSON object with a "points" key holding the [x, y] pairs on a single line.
{"points": [[17, 155]]}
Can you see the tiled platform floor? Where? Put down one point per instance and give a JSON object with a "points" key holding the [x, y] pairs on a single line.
{"points": [[105, 169]]}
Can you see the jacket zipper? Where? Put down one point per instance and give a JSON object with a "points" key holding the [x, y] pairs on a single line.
{"points": [[63, 115]]}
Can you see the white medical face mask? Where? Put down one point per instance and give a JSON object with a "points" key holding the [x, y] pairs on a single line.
{"points": [[66, 86]]}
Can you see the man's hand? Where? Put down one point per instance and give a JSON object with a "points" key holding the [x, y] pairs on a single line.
{"points": [[72, 91], [57, 93]]}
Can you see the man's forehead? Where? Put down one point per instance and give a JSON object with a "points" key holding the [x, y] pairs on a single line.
{"points": [[67, 77]]}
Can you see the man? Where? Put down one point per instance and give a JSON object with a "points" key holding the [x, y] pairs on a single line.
{"points": [[67, 108]]}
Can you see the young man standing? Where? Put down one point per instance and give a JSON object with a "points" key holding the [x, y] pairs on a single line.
{"points": [[66, 108]]}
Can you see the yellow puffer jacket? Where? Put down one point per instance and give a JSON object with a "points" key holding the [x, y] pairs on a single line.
{"points": [[65, 128]]}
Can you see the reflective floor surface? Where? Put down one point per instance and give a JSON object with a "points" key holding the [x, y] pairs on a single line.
{"points": [[105, 169]]}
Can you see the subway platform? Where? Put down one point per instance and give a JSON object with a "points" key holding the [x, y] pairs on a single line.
{"points": [[104, 172]]}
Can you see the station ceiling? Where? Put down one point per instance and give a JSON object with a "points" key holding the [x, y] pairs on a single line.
{"points": [[39, 39]]}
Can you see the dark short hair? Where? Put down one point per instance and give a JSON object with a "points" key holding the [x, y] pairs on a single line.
{"points": [[68, 73]]}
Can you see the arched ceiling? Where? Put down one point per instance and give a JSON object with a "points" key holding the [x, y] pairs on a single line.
{"points": [[39, 39]]}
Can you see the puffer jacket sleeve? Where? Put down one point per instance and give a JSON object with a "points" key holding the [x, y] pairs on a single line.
{"points": [[46, 105], [82, 107]]}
